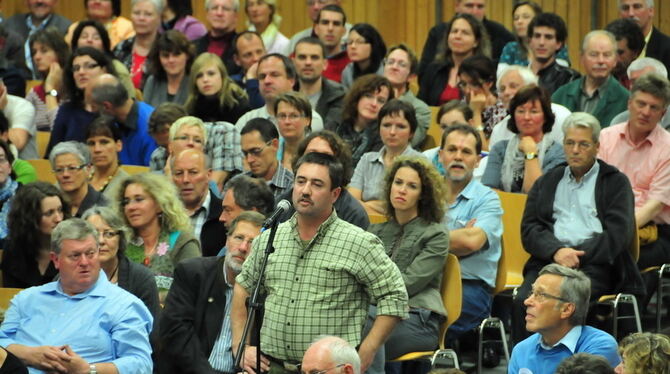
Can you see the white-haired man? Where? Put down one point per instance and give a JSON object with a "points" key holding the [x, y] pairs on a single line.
{"points": [[642, 11]]}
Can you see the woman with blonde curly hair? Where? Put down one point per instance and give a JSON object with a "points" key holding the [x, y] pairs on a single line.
{"points": [[213, 95], [415, 239], [162, 235], [644, 353]]}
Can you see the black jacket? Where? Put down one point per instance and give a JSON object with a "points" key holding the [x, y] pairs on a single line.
{"points": [[659, 47], [330, 103], [607, 255], [433, 81], [213, 233], [201, 45], [554, 76]]}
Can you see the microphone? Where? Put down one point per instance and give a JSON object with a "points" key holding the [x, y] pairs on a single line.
{"points": [[282, 207]]}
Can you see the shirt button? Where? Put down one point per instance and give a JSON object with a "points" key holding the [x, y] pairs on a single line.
{"points": [[288, 324], [292, 301], [288, 346], [296, 278], [210, 300]]}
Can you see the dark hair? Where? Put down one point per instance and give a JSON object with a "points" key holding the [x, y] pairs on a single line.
{"points": [[481, 36], [480, 68], [104, 35], [335, 169], [313, 41], [333, 8], [181, 8], [246, 34], [265, 128], [251, 193], [9, 156], [171, 41], [116, 6], [626, 28], [340, 149], [463, 129], [377, 48], [289, 68], [113, 92], [4, 123], [584, 363], [397, 107], [53, 39], [458, 105], [74, 94], [105, 125], [164, 115], [366, 84], [24, 217], [552, 21], [528, 94]]}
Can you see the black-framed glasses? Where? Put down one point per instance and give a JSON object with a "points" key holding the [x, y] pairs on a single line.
{"points": [[108, 234], [256, 151], [324, 371], [68, 169], [543, 296]]}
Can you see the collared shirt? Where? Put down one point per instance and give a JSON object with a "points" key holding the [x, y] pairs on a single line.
{"points": [[569, 340], [588, 103], [575, 211], [482, 203], [262, 112], [199, 217], [26, 48], [103, 324], [221, 357], [323, 286], [647, 164], [223, 146], [369, 173], [280, 182]]}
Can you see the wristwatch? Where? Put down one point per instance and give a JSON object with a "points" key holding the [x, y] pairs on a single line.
{"points": [[92, 369], [53, 93], [531, 155]]}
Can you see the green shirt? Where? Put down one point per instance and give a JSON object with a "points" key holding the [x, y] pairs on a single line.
{"points": [[325, 287]]}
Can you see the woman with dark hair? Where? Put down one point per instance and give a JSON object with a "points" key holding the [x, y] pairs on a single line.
{"points": [[89, 33], [415, 199], [146, 17], [366, 50], [103, 139], [75, 114], [108, 14], [397, 125], [360, 112], [8, 187], [36, 210], [514, 165], [50, 53], [264, 19], [128, 275], [212, 95], [466, 36], [177, 15], [170, 61]]}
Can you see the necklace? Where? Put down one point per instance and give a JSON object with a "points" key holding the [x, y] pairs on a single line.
{"points": [[111, 277], [109, 179]]}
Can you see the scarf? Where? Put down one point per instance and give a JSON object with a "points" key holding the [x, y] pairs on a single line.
{"points": [[6, 193], [513, 162]]}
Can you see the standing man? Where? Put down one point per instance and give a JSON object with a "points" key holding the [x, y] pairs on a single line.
{"points": [[195, 322], [546, 36], [474, 221], [324, 95], [222, 18], [191, 172], [630, 43], [556, 312], [642, 12], [331, 28], [321, 280], [498, 34], [276, 75], [597, 92]]}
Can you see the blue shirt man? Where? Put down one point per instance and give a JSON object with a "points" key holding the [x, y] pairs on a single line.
{"points": [[81, 322], [474, 220]]}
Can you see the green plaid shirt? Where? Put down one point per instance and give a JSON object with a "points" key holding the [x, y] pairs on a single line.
{"points": [[324, 287]]}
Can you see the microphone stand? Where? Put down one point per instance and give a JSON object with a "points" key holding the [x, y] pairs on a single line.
{"points": [[256, 304]]}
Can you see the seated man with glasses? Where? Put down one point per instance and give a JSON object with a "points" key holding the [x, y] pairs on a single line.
{"points": [[195, 331], [80, 323], [558, 303], [260, 144], [71, 163], [580, 216]]}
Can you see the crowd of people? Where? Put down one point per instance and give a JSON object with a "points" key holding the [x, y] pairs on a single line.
{"points": [[150, 272]]}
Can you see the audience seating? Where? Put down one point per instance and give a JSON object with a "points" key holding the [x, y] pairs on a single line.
{"points": [[6, 295], [452, 298], [42, 142], [434, 133], [30, 84], [43, 169], [663, 271], [135, 169]]}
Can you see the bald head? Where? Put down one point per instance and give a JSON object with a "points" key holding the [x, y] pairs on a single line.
{"points": [[107, 93], [329, 352], [191, 173]]}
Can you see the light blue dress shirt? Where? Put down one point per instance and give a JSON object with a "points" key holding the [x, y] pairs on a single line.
{"points": [[480, 202], [104, 324]]}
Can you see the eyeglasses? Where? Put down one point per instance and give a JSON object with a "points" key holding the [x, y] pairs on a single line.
{"points": [[290, 117], [108, 234], [583, 146], [357, 41], [76, 68], [543, 296], [401, 64], [75, 257], [320, 371], [256, 151], [68, 169]]}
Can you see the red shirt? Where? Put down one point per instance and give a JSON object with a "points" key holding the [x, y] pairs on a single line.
{"points": [[336, 64], [137, 69], [449, 93]]}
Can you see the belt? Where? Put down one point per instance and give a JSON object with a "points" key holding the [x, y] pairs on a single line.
{"points": [[291, 366]]}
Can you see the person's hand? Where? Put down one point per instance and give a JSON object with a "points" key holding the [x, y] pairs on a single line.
{"points": [[47, 358], [471, 223], [3, 96], [76, 365], [527, 145], [252, 72], [54, 78], [477, 101], [568, 257], [249, 361], [366, 357]]}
